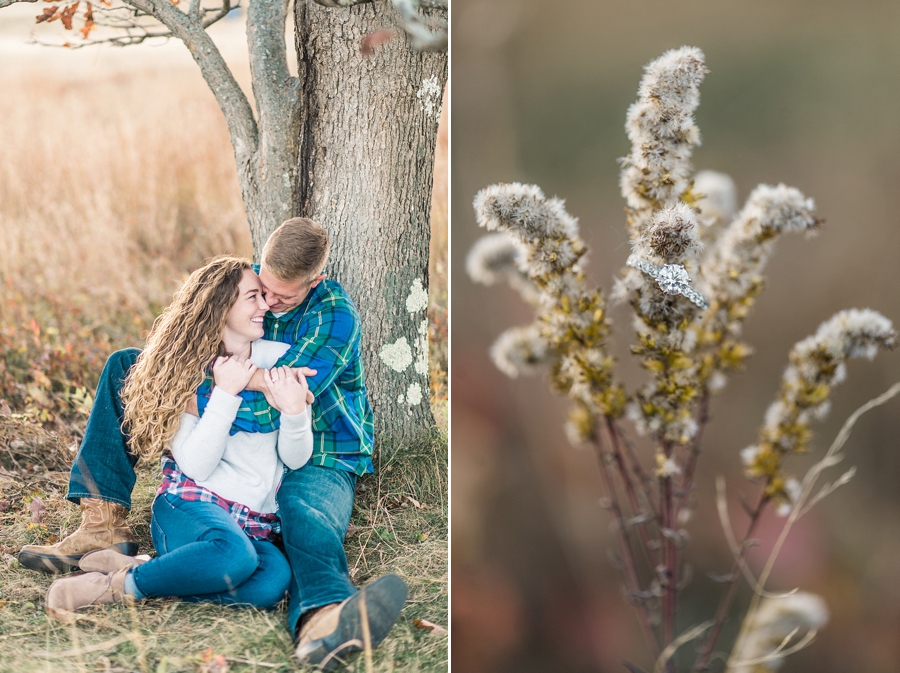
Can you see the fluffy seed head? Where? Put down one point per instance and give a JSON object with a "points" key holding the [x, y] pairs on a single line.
{"points": [[775, 620], [672, 234], [492, 258], [520, 350], [717, 201], [523, 210]]}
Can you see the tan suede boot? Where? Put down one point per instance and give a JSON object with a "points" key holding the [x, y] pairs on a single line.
{"points": [[108, 561], [79, 591], [102, 526], [337, 629]]}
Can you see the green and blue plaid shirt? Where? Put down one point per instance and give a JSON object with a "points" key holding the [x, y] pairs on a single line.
{"points": [[324, 334]]}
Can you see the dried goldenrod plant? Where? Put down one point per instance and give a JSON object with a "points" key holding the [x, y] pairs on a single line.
{"points": [[694, 272]]}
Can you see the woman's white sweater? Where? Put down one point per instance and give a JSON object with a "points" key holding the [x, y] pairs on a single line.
{"points": [[245, 467]]}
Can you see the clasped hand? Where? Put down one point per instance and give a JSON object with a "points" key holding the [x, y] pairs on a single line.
{"points": [[288, 389]]}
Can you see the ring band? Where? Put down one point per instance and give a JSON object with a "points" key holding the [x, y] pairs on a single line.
{"points": [[671, 278]]}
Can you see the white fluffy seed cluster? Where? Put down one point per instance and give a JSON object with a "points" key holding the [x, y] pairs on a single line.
{"points": [[731, 273], [775, 620], [741, 253], [819, 360], [571, 328], [662, 131], [525, 211], [494, 258], [671, 236], [716, 198], [540, 239], [817, 364], [520, 350]]}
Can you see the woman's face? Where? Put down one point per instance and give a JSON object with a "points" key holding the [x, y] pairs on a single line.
{"points": [[245, 319]]}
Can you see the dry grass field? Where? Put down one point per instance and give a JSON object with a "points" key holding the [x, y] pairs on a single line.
{"points": [[116, 180]]}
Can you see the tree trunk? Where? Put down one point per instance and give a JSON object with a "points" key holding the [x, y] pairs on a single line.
{"points": [[364, 171]]}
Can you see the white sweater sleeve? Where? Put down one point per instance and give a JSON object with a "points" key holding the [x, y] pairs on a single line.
{"points": [[200, 442], [295, 439]]}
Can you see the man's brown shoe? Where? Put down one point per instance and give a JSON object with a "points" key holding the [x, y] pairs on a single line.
{"points": [[102, 526], [79, 591], [337, 629]]}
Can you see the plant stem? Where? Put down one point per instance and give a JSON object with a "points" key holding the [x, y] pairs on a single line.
{"points": [[670, 558], [647, 482], [728, 597], [632, 582], [633, 501], [687, 484]]}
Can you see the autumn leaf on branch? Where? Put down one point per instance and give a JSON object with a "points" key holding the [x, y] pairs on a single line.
{"points": [[67, 14], [47, 15], [88, 22]]}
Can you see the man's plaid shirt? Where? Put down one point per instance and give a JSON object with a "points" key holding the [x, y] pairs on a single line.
{"points": [[324, 334], [177, 483]]}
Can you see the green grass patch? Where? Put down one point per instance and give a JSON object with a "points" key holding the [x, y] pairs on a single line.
{"points": [[399, 525]]}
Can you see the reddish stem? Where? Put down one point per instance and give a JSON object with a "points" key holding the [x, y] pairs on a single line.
{"points": [[670, 558], [632, 582], [652, 554], [687, 484]]}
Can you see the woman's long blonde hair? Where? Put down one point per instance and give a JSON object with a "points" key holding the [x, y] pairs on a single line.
{"points": [[184, 341]]}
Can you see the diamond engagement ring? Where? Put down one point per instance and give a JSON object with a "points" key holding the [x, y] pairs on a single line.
{"points": [[671, 278]]}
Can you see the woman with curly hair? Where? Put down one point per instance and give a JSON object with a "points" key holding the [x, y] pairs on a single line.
{"points": [[215, 513]]}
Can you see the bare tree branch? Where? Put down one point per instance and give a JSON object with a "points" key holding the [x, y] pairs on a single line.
{"points": [[234, 104], [7, 3], [421, 38]]}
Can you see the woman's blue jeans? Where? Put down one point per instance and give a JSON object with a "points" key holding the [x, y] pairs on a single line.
{"points": [[203, 555], [314, 503]]}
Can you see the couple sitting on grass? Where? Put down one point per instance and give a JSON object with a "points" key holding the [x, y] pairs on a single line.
{"points": [[257, 436]]}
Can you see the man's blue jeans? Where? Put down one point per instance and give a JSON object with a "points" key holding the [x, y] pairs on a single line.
{"points": [[203, 555], [314, 503]]}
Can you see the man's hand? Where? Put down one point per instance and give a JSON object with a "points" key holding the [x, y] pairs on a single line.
{"points": [[289, 390], [232, 374]]}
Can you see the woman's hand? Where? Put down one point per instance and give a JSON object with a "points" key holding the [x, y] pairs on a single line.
{"points": [[289, 390], [232, 374]]}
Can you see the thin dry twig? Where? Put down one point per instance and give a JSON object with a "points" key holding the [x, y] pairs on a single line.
{"points": [[671, 648], [808, 484]]}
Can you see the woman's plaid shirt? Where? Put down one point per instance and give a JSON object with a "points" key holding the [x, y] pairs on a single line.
{"points": [[177, 483]]}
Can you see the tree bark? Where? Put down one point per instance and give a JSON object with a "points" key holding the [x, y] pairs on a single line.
{"points": [[364, 171]]}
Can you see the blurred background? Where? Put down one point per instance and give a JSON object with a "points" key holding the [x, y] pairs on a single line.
{"points": [[802, 92]]}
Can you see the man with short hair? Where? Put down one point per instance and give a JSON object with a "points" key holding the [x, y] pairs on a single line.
{"points": [[316, 317]]}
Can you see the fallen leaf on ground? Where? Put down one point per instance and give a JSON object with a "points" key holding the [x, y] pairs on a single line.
{"points": [[430, 626], [37, 509]]}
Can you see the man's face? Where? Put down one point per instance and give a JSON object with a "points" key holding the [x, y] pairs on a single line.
{"points": [[282, 296]]}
